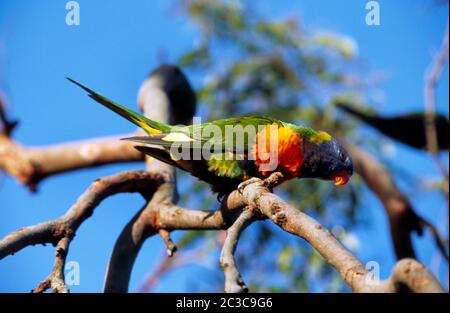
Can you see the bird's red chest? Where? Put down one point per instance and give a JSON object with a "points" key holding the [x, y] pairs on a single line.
{"points": [[278, 149]]}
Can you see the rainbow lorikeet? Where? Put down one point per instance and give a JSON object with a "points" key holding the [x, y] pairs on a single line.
{"points": [[257, 147]]}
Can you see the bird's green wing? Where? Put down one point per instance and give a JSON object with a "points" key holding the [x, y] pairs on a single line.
{"points": [[235, 134], [226, 135]]}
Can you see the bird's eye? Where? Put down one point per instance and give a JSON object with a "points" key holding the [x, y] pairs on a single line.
{"points": [[342, 156]]}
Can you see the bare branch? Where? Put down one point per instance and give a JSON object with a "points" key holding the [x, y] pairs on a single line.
{"points": [[31, 165], [432, 77], [55, 280], [66, 226], [233, 280], [352, 271], [60, 231], [402, 217], [437, 238], [7, 125], [171, 247], [409, 275]]}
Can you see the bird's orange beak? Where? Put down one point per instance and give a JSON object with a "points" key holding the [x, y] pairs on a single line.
{"points": [[340, 178]]}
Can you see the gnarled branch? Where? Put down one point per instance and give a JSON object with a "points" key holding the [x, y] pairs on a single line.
{"points": [[408, 274], [60, 231]]}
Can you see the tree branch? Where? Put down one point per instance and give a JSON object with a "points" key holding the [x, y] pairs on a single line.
{"points": [[66, 226], [31, 165], [402, 217], [233, 280], [414, 275], [7, 125], [60, 231], [408, 274], [171, 247], [55, 280], [432, 77], [156, 102]]}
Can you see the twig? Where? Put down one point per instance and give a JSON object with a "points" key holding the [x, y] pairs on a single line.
{"points": [[7, 124], [437, 238], [55, 280], [432, 77], [171, 247], [233, 279]]}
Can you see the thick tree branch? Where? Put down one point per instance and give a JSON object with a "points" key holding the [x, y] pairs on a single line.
{"points": [[31, 165], [156, 102]]}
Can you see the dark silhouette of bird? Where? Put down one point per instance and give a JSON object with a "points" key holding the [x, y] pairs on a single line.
{"points": [[408, 129]]}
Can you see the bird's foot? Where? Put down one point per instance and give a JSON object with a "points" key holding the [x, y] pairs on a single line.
{"points": [[273, 180], [247, 182]]}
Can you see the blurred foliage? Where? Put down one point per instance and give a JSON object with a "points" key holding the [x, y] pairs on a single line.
{"points": [[252, 64]]}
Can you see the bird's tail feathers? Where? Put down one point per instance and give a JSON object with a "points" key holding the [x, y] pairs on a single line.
{"points": [[148, 125]]}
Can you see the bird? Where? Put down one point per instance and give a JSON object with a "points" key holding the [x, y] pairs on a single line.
{"points": [[408, 129], [171, 79], [228, 152]]}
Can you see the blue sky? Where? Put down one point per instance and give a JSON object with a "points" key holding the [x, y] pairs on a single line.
{"points": [[116, 45]]}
